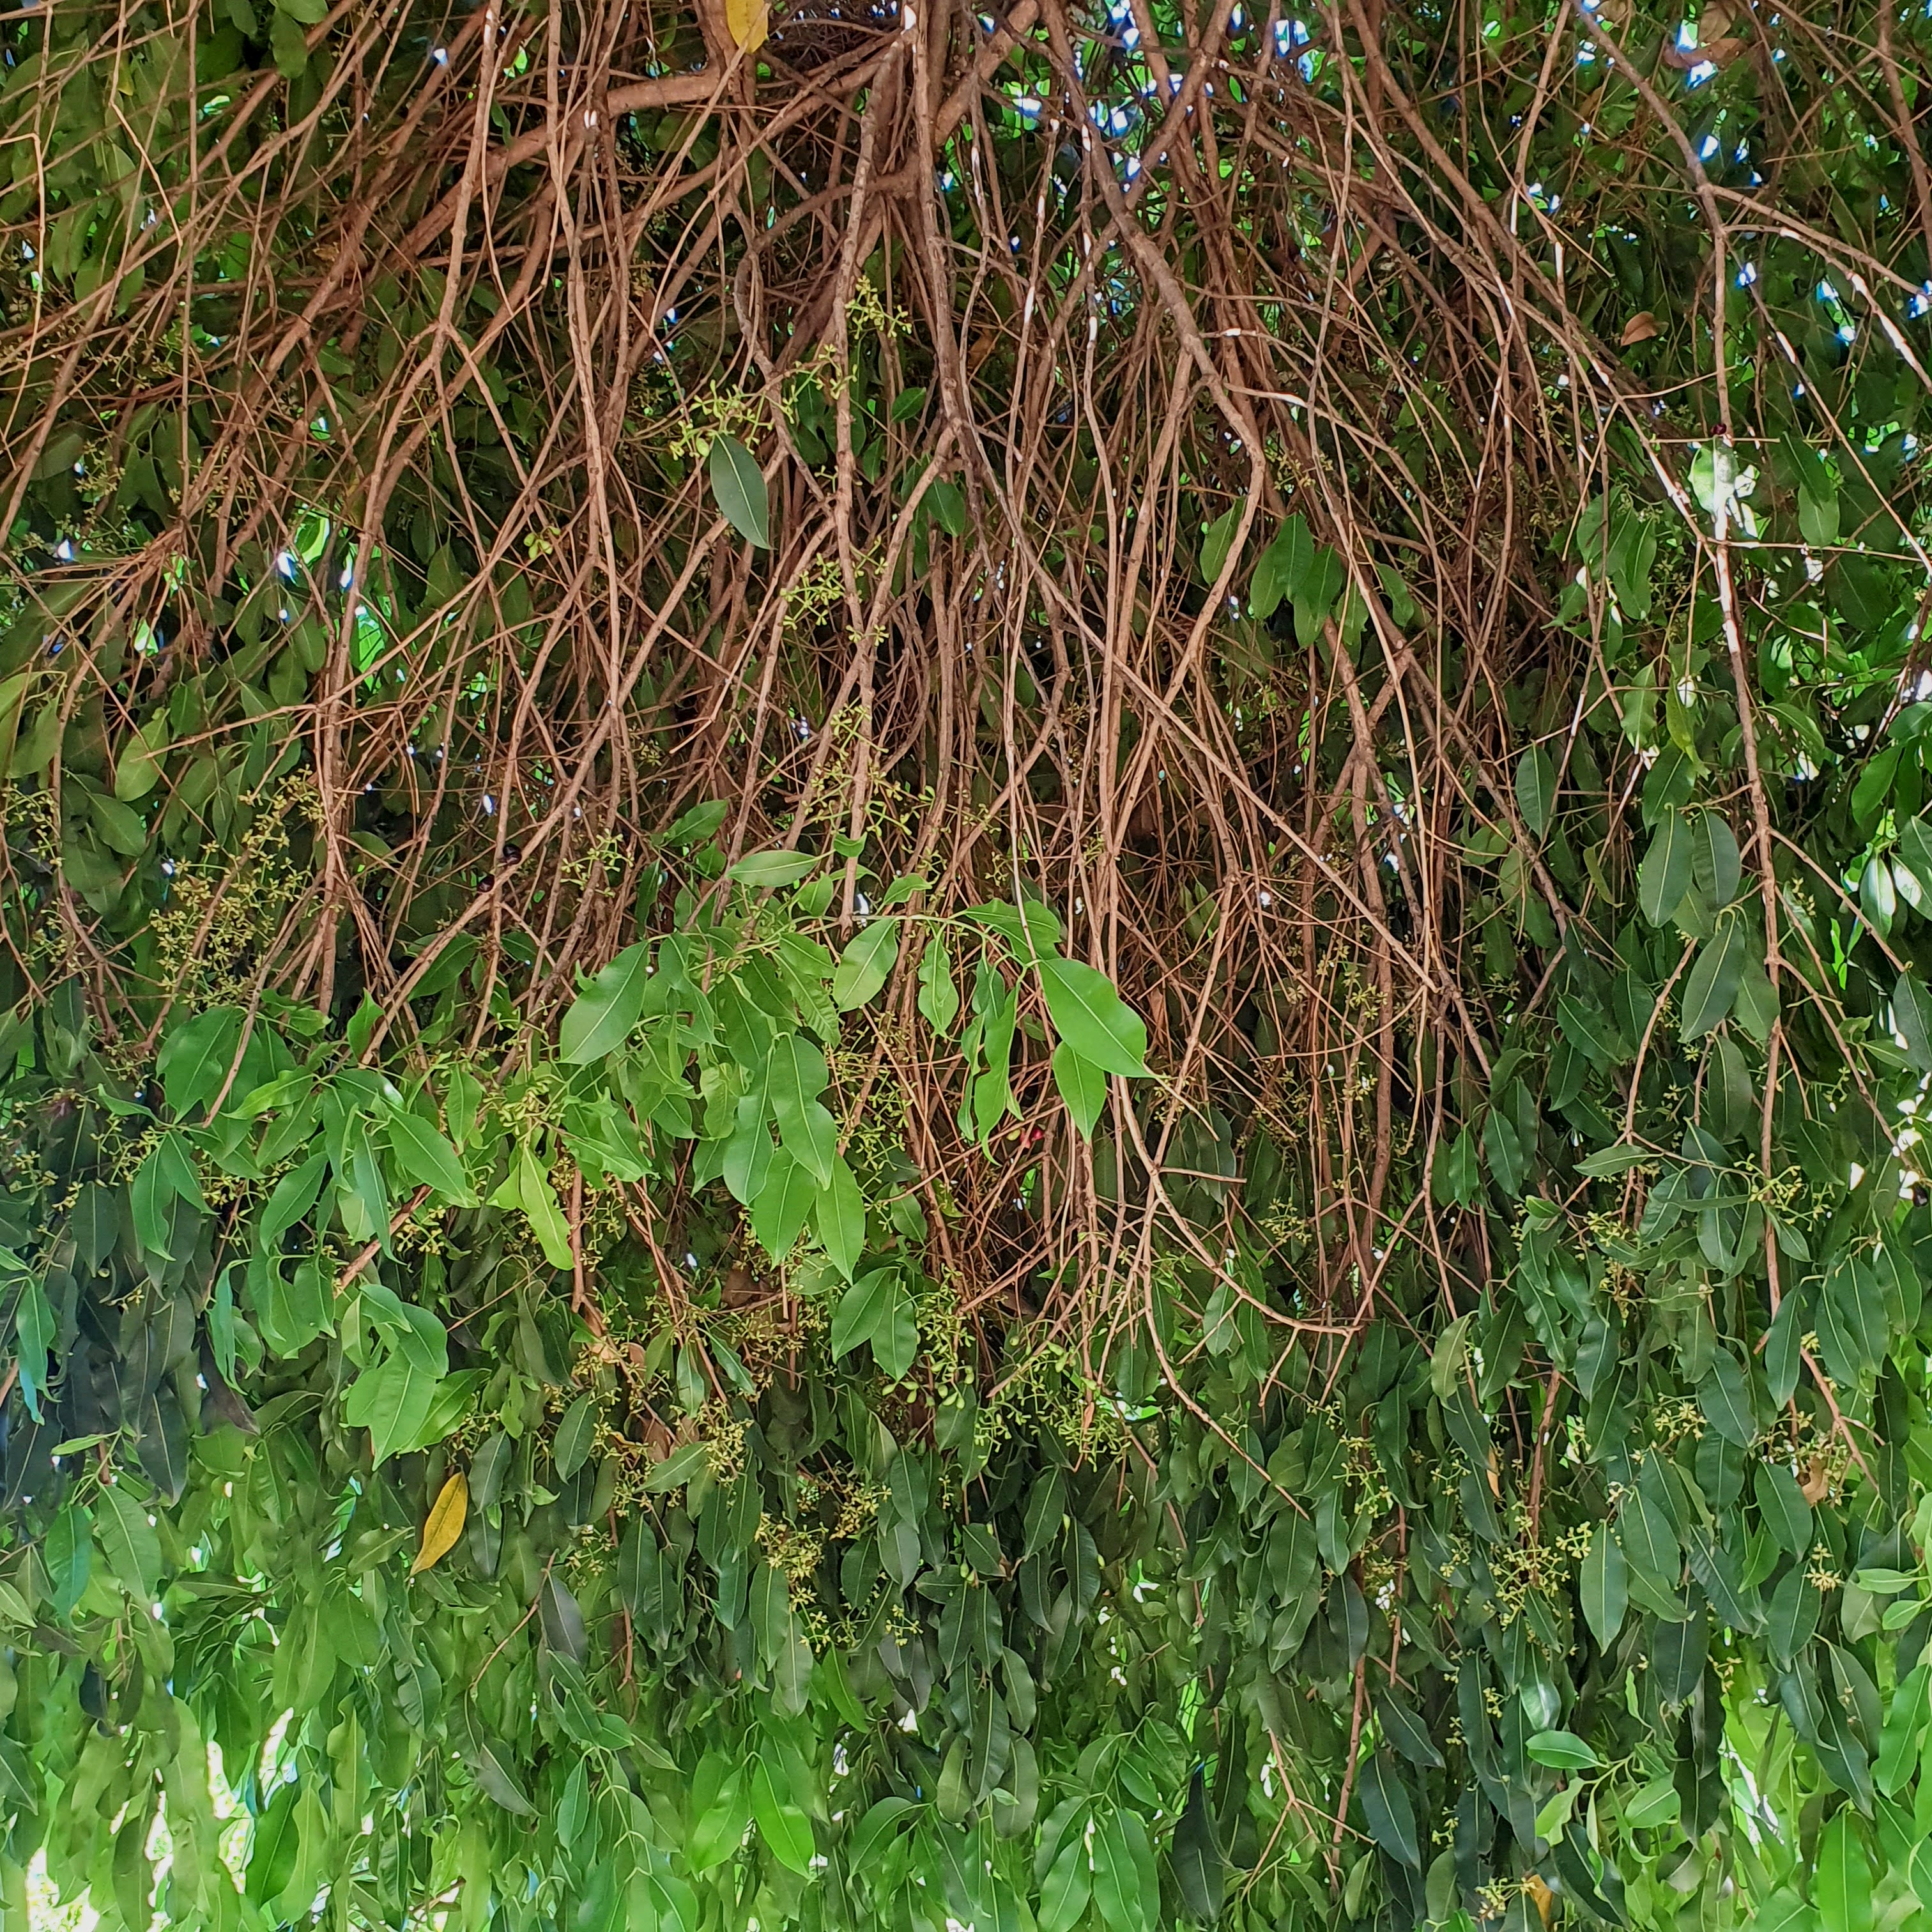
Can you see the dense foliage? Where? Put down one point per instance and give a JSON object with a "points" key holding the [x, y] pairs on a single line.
{"points": [[965, 970]]}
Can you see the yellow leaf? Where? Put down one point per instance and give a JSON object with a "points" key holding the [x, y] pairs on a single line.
{"points": [[444, 1525], [748, 19]]}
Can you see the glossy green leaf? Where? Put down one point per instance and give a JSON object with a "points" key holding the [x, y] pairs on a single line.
{"points": [[739, 486], [1912, 1020], [1069, 1886], [840, 1215], [1122, 1864], [196, 1055], [392, 1401], [938, 998], [129, 1542], [1536, 790], [576, 1436], [785, 1829], [866, 964], [1082, 1086], [1092, 1018], [604, 1015], [423, 1155], [1666, 874], [1711, 987], [1604, 1586], [1387, 1809], [1716, 867], [1563, 1751], [1844, 1892], [1198, 1867]]}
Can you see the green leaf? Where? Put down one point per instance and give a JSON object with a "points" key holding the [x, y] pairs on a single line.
{"points": [[949, 508], [1716, 867], [1632, 552], [1784, 1911], [1082, 1087], [1872, 792], [495, 1778], [1649, 1540], [1665, 874], [938, 997], [1604, 1586], [293, 1197], [1554, 1818], [877, 1310], [1198, 1866], [1843, 1891], [720, 1827], [1536, 790], [795, 1075], [1878, 895], [1725, 1397], [1281, 569], [537, 1199], [1406, 1733], [196, 1057], [424, 1155], [841, 1215], [783, 1203], [289, 44], [167, 1175], [1093, 1018], [1032, 929], [1818, 519], [1068, 1887], [576, 1436], [1610, 1162], [1386, 1811], [1791, 1621], [1315, 596], [1562, 1751], [1918, 1870], [1217, 538], [392, 1401], [1446, 1361], [1655, 1804], [676, 1469], [1912, 1020], [1125, 1903], [699, 823], [875, 1830], [785, 1829], [1456, 1174], [69, 1552], [865, 965], [768, 872], [1781, 1504], [291, 1314], [128, 1541], [604, 1014], [739, 484], [138, 769], [864, 1310], [1711, 987], [1915, 847], [33, 1328], [1898, 1747]]}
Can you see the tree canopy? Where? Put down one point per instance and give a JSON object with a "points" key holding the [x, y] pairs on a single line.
{"points": [[965, 970]]}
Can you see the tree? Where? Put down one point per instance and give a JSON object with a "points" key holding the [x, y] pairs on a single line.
{"points": [[965, 968]]}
